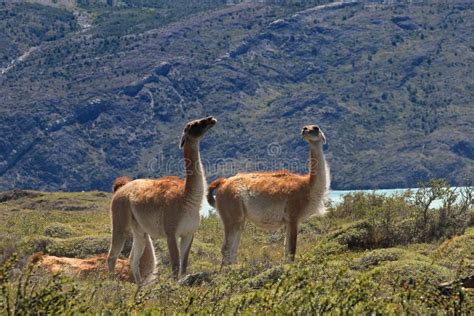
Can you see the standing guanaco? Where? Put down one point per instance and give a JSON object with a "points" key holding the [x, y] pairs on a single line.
{"points": [[162, 208], [272, 199]]}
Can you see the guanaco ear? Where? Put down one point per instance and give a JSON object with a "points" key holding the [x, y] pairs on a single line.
{"points": [[323, 137], [183, 140]]}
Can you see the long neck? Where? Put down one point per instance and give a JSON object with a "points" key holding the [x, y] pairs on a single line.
{"points": [[318, 172], [194, 183]]}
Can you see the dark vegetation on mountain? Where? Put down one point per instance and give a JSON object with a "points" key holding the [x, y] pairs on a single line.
{"points": [[27, 25], [108, 89]]}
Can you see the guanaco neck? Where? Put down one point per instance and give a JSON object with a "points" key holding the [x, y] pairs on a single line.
{"points": [[318, 172], [194, 182]]}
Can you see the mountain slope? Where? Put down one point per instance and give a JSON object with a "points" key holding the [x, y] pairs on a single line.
{"points": [[390, 84]]}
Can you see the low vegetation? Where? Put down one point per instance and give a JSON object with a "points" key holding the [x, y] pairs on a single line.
{"points": [[369, 254]]}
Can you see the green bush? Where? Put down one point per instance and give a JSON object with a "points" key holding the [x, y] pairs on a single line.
{"points": [[80, 247], [58, 231], [269, 276], [8, 246], [39, 243], [457, 253], [354, 236], [410, 272], [376, 257], [387, 221], [32, 292], [357, 205]]}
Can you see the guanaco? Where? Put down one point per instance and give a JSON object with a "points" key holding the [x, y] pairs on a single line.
{"points": [[272, 199], [162, 208]]}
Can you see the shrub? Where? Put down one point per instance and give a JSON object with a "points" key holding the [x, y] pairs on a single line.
{"points": [[357, 205], [354, 236], [457, 253], [450, 219], [40, 243], [269, 276], [80, 247], [411, 272], [387, 221], [58, 231], [375, 257], [32, 292], [8, 246]]}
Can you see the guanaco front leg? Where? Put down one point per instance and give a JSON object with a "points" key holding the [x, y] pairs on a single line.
{"points": [[174, 254], [148, 259], [184, 249], [290, 241]]}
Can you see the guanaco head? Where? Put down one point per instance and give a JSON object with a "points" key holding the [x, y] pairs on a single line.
{"points": [[196, 129], [313, 134]]}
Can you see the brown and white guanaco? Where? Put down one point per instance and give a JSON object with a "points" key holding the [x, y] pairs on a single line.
{"points": [[161, 208], [272, 199]]}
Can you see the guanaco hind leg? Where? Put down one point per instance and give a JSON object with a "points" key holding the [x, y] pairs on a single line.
{"points": [[231, 243], [139, 242], [120, 229], [118, 240]]}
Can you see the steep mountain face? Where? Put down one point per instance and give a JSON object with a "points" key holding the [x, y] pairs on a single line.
{"points": [[391, 85]]}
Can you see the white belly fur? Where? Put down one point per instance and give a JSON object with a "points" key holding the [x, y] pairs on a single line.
{"points": [[153, 226], [265, 213], [189, 223]]}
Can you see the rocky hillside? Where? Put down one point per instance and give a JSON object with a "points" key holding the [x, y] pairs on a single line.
{"points": [[106, 90]]}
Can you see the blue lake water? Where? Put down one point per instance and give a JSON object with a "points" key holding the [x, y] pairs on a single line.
{"points": [[337, 197]]}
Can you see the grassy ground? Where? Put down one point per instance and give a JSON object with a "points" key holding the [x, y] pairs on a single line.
{"points": [[344, 263]]}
